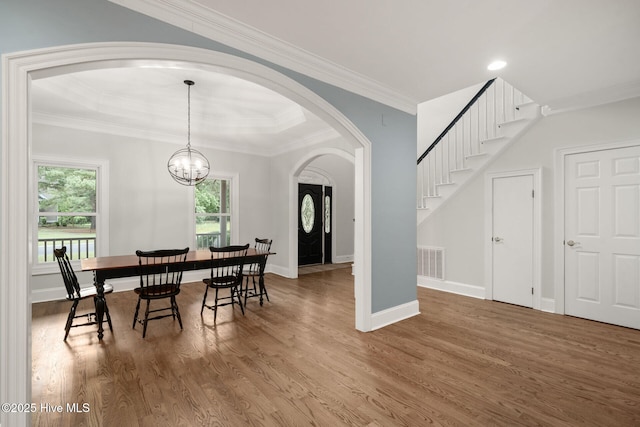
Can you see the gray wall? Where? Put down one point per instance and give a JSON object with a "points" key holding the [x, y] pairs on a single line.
{"points": [[459, 225], [30, 24]]}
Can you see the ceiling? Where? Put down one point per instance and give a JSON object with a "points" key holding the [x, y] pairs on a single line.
{"points": [[562, 54], [153, 103]]}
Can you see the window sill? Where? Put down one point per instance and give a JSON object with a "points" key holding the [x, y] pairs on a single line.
{"points": [[51, 268]]}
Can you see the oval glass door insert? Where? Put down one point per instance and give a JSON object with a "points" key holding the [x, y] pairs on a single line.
{"points": [[308, 213]]}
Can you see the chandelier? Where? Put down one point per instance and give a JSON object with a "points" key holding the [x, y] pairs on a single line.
{"points": [[188, 166]]}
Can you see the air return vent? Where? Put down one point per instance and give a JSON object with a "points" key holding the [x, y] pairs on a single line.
{"points": [[431, 262]]}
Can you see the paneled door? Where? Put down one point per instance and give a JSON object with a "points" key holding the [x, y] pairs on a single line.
{"points": [[513, 239], [602, 235], [310, 230]]}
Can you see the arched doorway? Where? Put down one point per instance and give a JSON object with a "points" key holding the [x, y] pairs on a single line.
{"points": [[15, 270]]}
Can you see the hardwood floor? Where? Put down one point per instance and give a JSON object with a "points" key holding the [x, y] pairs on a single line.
{"points": [[317, 268], [298, 360]]}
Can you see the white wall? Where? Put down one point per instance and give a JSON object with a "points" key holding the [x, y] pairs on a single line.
{"points": [[284, 171], [436, 114], [459, 225], [148, 209]]}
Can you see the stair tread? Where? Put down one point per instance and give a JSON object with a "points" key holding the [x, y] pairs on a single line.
{"points": [[508, 122], [495, 138], [525, 103]]}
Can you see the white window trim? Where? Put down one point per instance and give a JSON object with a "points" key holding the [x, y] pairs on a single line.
{"points": [[234, 179], [102, 205]]}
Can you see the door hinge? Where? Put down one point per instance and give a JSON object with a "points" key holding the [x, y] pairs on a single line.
{"points": [[533, 193], [531, 291]]}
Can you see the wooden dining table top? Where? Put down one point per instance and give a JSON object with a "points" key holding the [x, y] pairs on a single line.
{"points": [[127, 261]]}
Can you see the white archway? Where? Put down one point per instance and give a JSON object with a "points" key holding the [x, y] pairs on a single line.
{"points": [[362, 279], [18, 69]]}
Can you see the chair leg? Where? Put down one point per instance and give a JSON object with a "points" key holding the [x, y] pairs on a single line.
{"points": [[146, 320], [106, 311], [246, 290], [174, 308], [235, 290], [135, 316], [204, 299], [263, 288], [215, 307], [72, 314]]}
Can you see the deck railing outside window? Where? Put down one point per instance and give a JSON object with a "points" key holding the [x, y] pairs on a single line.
{"points": [[77, 248]]}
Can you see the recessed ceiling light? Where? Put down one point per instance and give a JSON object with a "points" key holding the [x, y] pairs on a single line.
{"points": [[496, 65]]}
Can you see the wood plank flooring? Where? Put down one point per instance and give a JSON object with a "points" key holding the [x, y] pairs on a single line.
{"points": [[298, 360]]}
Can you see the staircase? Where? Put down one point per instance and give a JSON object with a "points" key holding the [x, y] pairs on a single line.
{"points": [[494, 118]]}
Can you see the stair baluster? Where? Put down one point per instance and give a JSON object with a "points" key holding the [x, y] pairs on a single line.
{"points": [[481, 121]]}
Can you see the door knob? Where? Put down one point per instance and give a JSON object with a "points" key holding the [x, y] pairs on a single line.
{"points": [[572, 243], [497, 239]]}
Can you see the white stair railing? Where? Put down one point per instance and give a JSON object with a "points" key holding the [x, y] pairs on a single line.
{"points": [[480, 121]]}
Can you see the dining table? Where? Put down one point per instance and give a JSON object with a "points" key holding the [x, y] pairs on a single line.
{"points": [[119, 266]]}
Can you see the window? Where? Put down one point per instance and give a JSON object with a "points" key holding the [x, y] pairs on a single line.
{"points": [[69, 203], [213, 210]]}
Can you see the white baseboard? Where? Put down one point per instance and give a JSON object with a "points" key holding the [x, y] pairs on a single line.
{"points": [[548, 305], [341, 259], [58, 293], [121, 285], [51, 294], [394, 314], [453, 287], [280, 271]]}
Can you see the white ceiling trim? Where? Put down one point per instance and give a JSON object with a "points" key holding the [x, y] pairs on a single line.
{"points": [[136, 132], [102, 126], [221, 28], [308, 141], [75, 92], [594, 98]]}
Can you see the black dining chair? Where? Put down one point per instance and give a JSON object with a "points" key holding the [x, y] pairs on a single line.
{"points": [[76, 294], [160, 276], [255, 269], [226, 273]]}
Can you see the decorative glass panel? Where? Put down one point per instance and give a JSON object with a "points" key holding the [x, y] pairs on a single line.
{"points": [[327, 214], [308, 213]]}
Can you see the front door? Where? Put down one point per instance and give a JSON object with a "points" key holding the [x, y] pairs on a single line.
{"points": [[310, 230], [513, 239], [602, 236]]}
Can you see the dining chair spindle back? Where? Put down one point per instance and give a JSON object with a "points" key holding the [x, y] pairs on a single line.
{"points": [[226, 273], [76, 294], [160, 278], [254, 270]]}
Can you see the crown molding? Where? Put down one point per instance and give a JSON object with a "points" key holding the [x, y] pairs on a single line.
{"points": [[593, 98], [164, 136], [193, 17]]}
